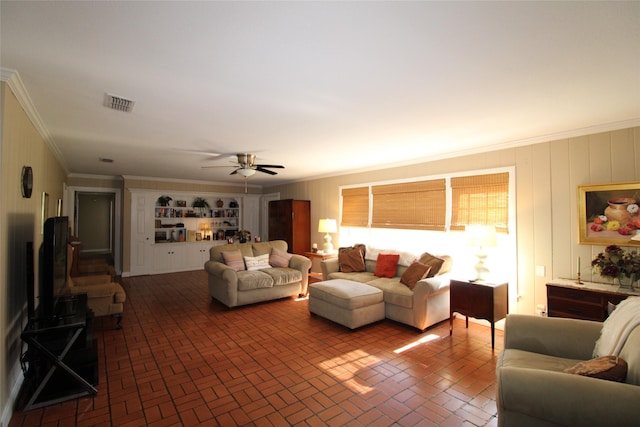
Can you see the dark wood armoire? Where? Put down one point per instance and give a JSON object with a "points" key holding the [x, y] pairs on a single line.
{"points": [[290, 220]]}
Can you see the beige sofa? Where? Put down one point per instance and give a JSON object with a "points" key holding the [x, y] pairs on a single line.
{"points": [[425, 306], [533, 390], [234, 288]]}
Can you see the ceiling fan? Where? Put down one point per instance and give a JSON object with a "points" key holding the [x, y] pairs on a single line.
{"points": [[247, 166]]}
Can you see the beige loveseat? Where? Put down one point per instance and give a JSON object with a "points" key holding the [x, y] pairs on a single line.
{"points": [[234, 288], [425, 305], [533, 390]]}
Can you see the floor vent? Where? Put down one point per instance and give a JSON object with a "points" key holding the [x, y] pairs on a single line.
{"points": [[118, 103]]}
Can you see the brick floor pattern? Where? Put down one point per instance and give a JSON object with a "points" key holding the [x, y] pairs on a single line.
{"points": [[182, 359]]}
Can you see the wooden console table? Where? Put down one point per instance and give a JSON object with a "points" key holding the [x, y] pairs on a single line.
{"points": [[588, 301]]}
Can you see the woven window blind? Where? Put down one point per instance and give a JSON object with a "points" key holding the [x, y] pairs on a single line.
{"points": [[412, 205], [355, 207], [481, 200]]}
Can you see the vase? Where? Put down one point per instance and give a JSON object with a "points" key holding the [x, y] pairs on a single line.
{"points": [[617, 210], [626, 282]]}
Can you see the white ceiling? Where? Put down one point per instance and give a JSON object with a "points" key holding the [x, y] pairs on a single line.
{"points": [[319, 87]]}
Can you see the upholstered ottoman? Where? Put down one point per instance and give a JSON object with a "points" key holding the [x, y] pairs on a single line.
{"points": [[349, 303]]}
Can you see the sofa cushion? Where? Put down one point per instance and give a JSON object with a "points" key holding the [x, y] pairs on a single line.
{"points": [[416, 271], [439, 265], [256, 279], [234, 259], [257, 262], [525, 359], [351, 259], [612, 368], [395, 293], [386, 265], [283, 276], [361, 276], [279, 258], [406, 258]]}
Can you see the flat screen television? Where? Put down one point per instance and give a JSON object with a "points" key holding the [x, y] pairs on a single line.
{"points": [[53, 264]]}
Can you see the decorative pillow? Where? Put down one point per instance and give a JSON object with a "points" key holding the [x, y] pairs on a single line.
{"points": [[257, 262], [387, 265], [612, 368], [416, 271], [351, 259], [439, 265], [234, 259], [279, 258]]}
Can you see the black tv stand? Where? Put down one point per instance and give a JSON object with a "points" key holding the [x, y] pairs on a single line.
{"points": [[61, 357]]}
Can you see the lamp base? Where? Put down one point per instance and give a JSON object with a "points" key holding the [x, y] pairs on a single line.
{"points": [[482, 272], [328, 246]]}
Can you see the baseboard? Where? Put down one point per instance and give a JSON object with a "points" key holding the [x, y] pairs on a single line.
{"points": [[7, 411]]}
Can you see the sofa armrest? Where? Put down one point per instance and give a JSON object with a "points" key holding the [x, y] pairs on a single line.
{"points": [[329, 266], [554, 336], [433, 285], [577, 400], [303, 265], [216, 268]]}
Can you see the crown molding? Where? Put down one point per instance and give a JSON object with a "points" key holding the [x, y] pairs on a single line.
{"points": [[13, 80]]}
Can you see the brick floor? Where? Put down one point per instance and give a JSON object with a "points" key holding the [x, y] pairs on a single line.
{"points": [[182, 359]]}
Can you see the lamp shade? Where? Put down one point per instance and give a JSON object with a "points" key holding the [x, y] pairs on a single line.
{"points": [[327, 226], [481, 235], [246, 172]]}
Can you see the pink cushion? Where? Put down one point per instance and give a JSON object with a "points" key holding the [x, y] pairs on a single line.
{"points": [[279, 258], [234, 259]]}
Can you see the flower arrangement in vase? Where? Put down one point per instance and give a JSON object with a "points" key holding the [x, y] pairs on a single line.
{"points": [[618, 263]]}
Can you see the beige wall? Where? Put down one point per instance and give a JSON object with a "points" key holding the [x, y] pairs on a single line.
{"points": [[21, 144], [547, 176]]}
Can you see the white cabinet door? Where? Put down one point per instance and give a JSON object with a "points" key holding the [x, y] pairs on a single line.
{"points": [[141, 233], [168, 257], [197, 255]]}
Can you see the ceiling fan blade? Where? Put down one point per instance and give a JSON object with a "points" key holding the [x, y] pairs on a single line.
{"points": [[260, 169], [270, 166]]}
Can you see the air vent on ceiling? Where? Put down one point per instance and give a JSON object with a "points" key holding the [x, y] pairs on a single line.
{"points": [[118, 103]]}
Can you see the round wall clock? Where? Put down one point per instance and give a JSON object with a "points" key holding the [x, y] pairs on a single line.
{"points": [[27, 181]]}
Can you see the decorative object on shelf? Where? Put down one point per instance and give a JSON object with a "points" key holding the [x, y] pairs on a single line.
{"points": [[314, 248], [27, 182], [243, 236], [609, 214], [199, 202], [181, 203], [164, 200], [327, 226], [257, 239], [481, 236], [233, 204], [618, 263], [219, 203]]}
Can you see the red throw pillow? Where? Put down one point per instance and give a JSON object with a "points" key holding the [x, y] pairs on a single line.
{"points": [[387, 265]]}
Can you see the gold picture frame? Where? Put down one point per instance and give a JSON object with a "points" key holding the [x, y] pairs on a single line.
{"points": [[608, 214]]}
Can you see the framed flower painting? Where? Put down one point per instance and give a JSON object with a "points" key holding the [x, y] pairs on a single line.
{"points": [[609, 214]]}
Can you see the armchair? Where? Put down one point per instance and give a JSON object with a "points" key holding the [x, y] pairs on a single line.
{"points": [[104, 296], [533, 390]]}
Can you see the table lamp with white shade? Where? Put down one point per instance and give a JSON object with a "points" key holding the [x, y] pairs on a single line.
{"points": [[327, 226], [481, 236]]}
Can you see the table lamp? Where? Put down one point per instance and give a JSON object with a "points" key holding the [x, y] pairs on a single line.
{"points": [[327, 226], [481, 236]]}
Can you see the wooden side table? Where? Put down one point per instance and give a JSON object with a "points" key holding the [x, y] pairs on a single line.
{"points": [[481, 300], [316, 258]]}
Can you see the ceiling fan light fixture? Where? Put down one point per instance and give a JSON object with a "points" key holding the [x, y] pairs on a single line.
{"points": [[246, 172]]}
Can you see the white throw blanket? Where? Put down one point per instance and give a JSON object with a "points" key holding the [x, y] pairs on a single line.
{"points": [[617, 328]]}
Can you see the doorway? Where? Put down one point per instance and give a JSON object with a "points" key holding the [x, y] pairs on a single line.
{"points": [[94, 215]]}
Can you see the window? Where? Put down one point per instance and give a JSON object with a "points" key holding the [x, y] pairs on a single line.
{"points": [[480, 199], [355, 207], [415, 205]]}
